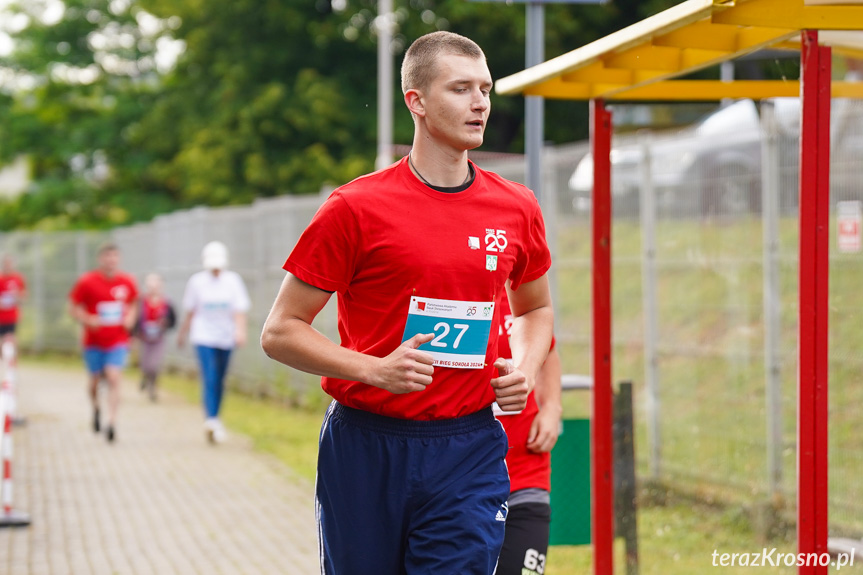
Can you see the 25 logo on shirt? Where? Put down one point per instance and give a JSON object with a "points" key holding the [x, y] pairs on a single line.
{"points": [[495, 240]]}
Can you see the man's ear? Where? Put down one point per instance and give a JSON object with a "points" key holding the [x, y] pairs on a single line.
{"points": [[414, 102]]}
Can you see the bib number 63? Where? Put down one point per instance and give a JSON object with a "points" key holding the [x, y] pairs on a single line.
{"points": [[438, 341]]}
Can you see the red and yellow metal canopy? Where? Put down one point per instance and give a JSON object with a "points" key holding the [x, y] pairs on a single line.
{"points": [[641, 61]]}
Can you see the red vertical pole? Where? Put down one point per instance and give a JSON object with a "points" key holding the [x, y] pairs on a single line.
{"points": [[601, 433], [812, 414]]}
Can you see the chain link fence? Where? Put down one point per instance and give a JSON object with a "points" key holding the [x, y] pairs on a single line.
{"points": [[704, 293]]}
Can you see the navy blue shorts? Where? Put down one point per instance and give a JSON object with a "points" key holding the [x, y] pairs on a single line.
{"points": [[410, 497]]}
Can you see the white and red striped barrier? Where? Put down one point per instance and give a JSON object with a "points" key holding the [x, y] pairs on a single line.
{"points": [[9, 516], [9, 359]]}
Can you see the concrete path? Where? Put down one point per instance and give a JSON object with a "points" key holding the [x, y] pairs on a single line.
{"points": [[159, 501]]}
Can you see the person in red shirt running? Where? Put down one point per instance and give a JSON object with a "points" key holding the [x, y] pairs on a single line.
{"points": [[13, 289], [532, 434], [103, 301], [411, 472]]}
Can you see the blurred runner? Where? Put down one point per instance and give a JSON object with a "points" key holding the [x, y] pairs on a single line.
{"points": [[215, 304], [103, 301]]}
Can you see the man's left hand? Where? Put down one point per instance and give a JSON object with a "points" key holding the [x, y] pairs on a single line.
{"points": [[511, 387]]}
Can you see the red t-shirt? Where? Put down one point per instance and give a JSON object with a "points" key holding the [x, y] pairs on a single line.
{"points": [[526, 468], [153, 318], [386, 237], [11, 287], [109, 298]]}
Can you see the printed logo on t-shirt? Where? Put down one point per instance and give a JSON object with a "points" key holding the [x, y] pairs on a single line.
{"points": [[120, 292], [473, 242], [490, 263], [495, 240]]}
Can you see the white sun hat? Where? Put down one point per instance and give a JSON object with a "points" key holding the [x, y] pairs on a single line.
{"points": [[214, 256]]}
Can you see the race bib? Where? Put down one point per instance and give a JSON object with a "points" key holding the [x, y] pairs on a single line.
{"points": [[152, 329], [8, 300], [110, 312], [461, 330], [498, 412]]}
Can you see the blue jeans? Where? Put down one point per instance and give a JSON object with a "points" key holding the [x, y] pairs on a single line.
{"points": [[214, 366]]}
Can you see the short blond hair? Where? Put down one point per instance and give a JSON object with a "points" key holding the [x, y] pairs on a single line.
{"points": [[420, 63]]}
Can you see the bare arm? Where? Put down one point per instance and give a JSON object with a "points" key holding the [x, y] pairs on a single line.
{"points": [[183, 331], [81, 315], [289, 338], [531, 337], [546, 424], [131, 315], [240, 328]]}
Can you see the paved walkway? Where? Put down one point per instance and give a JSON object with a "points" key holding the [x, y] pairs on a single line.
{"points": [[158, 501]]}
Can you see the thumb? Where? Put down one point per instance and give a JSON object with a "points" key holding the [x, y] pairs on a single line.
{"points": [[503, 366], [418, 340]]}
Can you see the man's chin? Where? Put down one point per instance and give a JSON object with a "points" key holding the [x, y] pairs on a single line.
{"points": [[473, 144]]}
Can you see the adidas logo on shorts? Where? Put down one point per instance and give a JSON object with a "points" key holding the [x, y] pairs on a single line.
{"points": [[502, 512]]}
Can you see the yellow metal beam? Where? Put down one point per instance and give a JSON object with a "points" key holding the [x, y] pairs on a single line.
{"points": [[689, 37], [703, 35], [597, 72], [645, 57], [688, 90], [662, 23], [791, 14]]}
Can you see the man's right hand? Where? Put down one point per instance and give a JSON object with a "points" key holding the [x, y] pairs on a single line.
{"points": [[406, 369]]}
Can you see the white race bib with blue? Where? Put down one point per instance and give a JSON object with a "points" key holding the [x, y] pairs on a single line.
{"points": [[461, 330], [110, 312]]}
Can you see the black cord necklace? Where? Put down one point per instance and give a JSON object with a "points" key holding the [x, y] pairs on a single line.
{"points": [[425, 181]]}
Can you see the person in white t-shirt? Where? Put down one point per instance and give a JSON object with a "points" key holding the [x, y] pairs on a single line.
{"points": [[215, 305]]}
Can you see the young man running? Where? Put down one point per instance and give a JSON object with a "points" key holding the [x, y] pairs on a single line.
{"points": [[411, 472], [103, 301]]}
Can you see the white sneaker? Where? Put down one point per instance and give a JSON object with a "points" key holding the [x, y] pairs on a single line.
{"points": [[216, 430], [220, 435], [210, 426]]}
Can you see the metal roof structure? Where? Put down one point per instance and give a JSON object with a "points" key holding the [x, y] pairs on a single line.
{"points": [[641, 62]]}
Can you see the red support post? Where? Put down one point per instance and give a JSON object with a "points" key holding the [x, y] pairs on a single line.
{"points": [[812, 413], [601, 432]]}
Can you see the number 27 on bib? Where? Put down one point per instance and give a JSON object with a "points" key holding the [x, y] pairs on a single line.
{"points": [[461, 330]]}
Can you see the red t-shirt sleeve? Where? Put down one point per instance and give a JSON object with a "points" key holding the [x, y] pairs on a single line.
{"points": [[536, 258], [326, 254]]}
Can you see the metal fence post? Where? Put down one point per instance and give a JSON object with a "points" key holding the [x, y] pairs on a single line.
{"points": [[548, 203], [648, 293], [38, 291], [770, 194]]}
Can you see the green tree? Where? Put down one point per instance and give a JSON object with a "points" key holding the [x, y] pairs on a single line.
{"points": [[266, 97]]}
